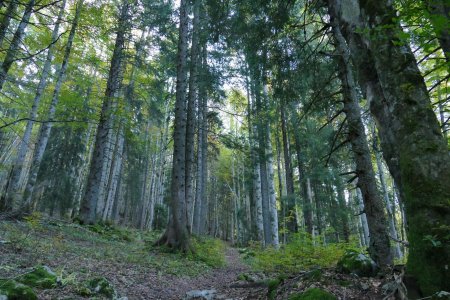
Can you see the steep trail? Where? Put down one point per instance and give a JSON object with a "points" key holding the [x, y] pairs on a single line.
{"points": [[223, 281]]}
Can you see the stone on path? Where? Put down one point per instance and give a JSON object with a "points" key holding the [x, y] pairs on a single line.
{"points": [[204, 295]]}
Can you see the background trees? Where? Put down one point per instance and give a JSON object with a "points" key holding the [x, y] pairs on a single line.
{"points": [[244, 120]]}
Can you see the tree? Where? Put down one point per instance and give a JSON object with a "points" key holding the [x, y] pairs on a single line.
{"points": [[45, 129], [96, 180], [411, 140], [379, 247], [177, 233]]}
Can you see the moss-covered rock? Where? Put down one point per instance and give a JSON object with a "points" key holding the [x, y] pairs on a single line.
{"points": [[41, 277], [313, 294], [357, 263], [13, 290], [101, 286]]}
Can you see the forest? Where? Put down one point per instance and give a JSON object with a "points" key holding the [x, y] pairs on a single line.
{"points": [[224, 149]]}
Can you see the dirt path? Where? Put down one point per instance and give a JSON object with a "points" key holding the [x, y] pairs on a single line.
{"points": [[222, 280], [132, 269]]}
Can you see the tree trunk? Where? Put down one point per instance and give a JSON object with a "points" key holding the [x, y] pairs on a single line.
{"points": [[10, 56], [379, 248], [201, 164], [12, 193], [303, 180], [45, 130], [439, 17], [291, 205], [412, 143], [94, 186], [387, 201], [363, 217], [177, 232], [192, 99]]}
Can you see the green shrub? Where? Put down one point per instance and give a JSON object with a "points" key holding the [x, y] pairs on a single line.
{"points": [[13, 290], [208, 250], [300, 254], [313, 294]]}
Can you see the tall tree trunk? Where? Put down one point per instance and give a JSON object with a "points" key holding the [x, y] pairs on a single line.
{"points": [[412, 143], [45, 130], [12, 192], [304, 183], [387, 201], [95, 181], [199, 223], [256, 175], [379, 248], [343, 210], [11, 54], [177, 232], [268, 161], [192, 99], [203, 96], [114, 175], [291, 205]]}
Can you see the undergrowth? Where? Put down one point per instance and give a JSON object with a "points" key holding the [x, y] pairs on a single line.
{"points": [[302, 253], [39, 241], [208, 250]]}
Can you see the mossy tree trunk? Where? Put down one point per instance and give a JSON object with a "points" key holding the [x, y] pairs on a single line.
{"points": [[412, 143]]}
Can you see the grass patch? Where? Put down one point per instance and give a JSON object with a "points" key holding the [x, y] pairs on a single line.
{"points": [[300, 254], [210, 251]]}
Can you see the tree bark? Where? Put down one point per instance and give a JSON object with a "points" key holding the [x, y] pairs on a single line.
{"points": [[412, 143], [177, 233], [387, 201], [291, 213], [379, 247], [94, 186], [192, 99]]}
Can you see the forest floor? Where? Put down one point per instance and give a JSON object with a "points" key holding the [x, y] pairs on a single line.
{"points": [[137, 270]]}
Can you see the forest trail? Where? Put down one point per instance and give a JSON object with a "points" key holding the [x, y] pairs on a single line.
{"points": [[225, 280], [125, 258]]}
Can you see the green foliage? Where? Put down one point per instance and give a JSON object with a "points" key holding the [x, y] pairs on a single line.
{"points": [[300, 254], [272, 286], [111, 232], [208, 250], [103, 249], [13, 290], [34, 220], [40, 277], [101, 286], [313, 294]]}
